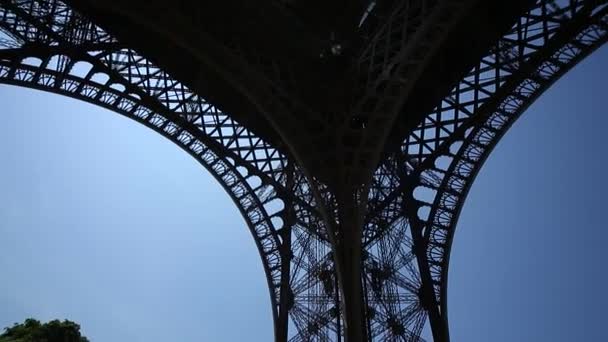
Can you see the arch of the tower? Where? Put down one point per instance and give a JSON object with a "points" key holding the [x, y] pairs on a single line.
{"points": [[46, 46], [96, 88], [416, 194], [443, 156]]}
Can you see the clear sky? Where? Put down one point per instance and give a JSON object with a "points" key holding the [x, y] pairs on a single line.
{"points": [[106, 223]]}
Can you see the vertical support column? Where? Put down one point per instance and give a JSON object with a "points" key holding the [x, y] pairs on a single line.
{"points": [[286, 299], [427, 295], [349, 265]]}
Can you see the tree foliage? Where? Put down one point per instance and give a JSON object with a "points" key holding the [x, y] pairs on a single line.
{"points": [[33, 331]]}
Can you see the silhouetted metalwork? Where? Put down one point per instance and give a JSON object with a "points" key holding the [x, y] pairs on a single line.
{"points": [[355, 241]]}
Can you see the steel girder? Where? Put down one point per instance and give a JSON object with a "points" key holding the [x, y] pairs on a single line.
{"points": [[47, 46], [416, 193], [389, 67], [440, 159]]}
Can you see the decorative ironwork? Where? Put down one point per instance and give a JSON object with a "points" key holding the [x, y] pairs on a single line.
{"points": [[47, 46], [416, 193], [443, 155], [391, 64]]}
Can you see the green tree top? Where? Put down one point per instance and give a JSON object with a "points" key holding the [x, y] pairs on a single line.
{"points": [[33, 331]]}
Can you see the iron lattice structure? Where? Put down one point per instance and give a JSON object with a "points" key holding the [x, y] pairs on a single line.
{"points": [[407, 207]]}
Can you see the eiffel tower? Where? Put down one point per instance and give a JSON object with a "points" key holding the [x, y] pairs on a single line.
{"points": [[348, 133]]}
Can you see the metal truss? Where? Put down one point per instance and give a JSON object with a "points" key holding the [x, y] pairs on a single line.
{"points": [[426, 182], [416, 192], [45, 45], [390, 66]]}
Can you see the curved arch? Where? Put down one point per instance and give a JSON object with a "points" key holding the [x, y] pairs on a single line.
{"points": [[42, 46], [567, 35], [221, 168], [147, 229], [481, 155], [151, 98], [441, 157]]}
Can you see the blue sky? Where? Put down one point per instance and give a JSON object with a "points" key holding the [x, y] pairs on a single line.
{"points": [[104, 222]]}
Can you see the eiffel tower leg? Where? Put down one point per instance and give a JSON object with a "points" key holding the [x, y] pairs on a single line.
{"points": [[374, 266], [349, 266]]}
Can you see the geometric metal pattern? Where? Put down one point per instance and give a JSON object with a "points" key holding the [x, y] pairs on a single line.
{"points": [[454, 141], [47, 46], [412, 202]]}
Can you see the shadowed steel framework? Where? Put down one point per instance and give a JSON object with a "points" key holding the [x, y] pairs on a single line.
{"points": [[348, 133]]}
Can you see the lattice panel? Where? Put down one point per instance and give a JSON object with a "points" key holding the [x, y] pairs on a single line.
{"points": [[444, 154], [47, 46]]}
